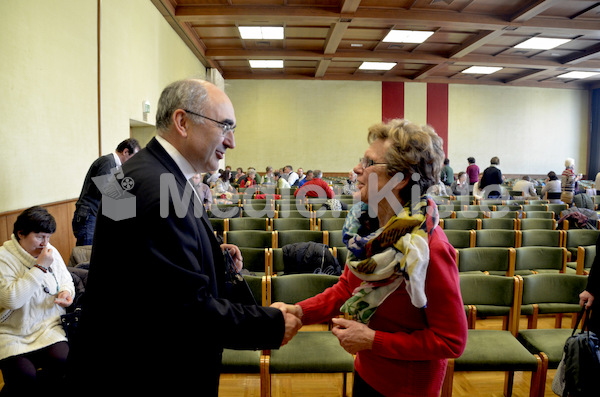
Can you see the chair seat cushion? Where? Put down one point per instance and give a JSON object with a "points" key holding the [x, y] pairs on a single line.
{"points": [[551, 308], [240, 361], [311, 351], [492, 311], [549, 341], [490, 350]]}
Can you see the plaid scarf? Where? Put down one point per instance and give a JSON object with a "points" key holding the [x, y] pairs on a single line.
{"points": [[388, 256]]}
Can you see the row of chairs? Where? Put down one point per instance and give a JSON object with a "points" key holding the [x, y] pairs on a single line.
{"points": [[523, 260], [510, 349], [498, 223], [272, 224], [476, 214], [488, 207]]}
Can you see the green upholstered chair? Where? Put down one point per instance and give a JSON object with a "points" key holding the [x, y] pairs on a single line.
{"points": [[557, 209], [497, 238], [585, 259], [449, 207], [292, 224], [551, 294], [234, 224], [580, 237], [557, 294], [336, 238], [529, 260], [461, 238], [218, 225], [510, 207], [532, 223], [538, 215], [471, 214], [545, 238], [249, 238], [294, 213], [505, 214], [478, 208], [497, 350], [326, 214], [276, 265], [499, 223], [535, 207], [341, 253], [330, 223], [256, 260], [461, 224], [308, 351], [284, 237], [489, 260]]}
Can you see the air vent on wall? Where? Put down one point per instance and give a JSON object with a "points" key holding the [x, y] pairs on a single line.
{"points": [[263, 43]]}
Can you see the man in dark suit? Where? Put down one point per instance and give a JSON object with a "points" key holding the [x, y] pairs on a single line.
{"points": [[491, 180], [156, 316], [86, 207], [586, 298]]}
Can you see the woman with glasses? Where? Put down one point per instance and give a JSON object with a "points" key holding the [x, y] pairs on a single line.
{"points": [[400, 284], [35, 289]]}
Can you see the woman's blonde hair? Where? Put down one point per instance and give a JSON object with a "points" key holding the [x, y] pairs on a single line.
{"points": [[414, 150]]}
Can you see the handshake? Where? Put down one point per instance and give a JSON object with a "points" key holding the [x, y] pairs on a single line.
{"points": [[353, 335], [292, 315]]}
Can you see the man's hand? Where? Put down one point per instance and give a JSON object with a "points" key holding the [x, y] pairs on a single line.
{"points": [[236, 255], [292, 323], [353, 336], [586, 299], [296, 310]]}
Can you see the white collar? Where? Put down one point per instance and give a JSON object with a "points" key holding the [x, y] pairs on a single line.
{"points": [[184, 166], [117, 160]]}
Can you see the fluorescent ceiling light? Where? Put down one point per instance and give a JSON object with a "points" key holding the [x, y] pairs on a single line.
{"points": [[261, 32], [406, 36], [541, 43], [271, 64], [481, 69], [577, 75], [377, 65]]}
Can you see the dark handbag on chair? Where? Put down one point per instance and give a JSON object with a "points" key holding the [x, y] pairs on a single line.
{"points": [[578, 371], [236, 288]]}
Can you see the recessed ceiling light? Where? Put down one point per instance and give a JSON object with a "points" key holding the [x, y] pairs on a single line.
{"points": [[406, 36], [541, 43], [356, 45], [377, 65], [481, 69], [266, 64], [577, 75], [261, 32]]}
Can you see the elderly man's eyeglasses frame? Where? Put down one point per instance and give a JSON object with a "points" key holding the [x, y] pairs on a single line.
{"points": [[366, 162], [225, 128]]}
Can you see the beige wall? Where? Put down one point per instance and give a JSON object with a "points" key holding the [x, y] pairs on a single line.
{"points": [[48, 80], [531, 130], [310, 124]]}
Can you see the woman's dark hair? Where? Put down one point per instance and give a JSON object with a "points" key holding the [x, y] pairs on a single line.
{"points": [[471, 160], [226, 175], [35, 219], [552, 176]]}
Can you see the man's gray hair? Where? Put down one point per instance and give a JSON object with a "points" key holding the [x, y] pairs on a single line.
{"points": [[183, 94], [317, 173]]}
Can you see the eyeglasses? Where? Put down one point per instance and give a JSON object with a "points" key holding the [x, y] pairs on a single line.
{"points": [[366, 162], [225, 127]]}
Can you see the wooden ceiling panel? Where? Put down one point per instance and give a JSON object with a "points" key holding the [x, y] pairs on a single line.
{"points": [[321, 38]]}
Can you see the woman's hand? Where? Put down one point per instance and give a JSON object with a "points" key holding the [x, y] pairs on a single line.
{"points": [[353, 336], [296, 310], [64, 299], [45, 258], [236, 255]]}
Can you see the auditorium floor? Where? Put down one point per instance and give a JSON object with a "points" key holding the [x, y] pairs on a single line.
{"points": [[466, 384]]}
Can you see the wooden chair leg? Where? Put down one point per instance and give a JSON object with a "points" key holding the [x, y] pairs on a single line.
{"points": [[344, 384], [543, 375], [265, 377], [538, 376], [508, 383], [448, 380]]}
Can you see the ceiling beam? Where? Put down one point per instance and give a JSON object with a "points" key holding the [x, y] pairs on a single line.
{"points": [[588, 54], [349, 6], [533, 9], [475, 42], [335, 35], [526, 76], [322, 68]]}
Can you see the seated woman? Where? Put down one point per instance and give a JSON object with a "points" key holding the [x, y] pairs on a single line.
{"points": [[400, 284], [35, 289], [223, 188]]}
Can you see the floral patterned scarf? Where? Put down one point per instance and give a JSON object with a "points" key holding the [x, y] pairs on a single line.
{"points": [[385, 258]]}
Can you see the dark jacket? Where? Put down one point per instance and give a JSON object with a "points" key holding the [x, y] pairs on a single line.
{"points": [[90, 195], [154, 316]]}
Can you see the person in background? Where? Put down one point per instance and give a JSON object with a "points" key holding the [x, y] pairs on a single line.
{"points": [[400, 284], [157, 313], [239, 175], [290, 175], [309, 176], [314, 186], [269, 178], [568, 182], [223, 188], [350, 184], [586, 298], [86, 207], [202, 189], [301, 175], [491, 180], [525, 186], [447, 175], [35, 289], [250, 179], [472, 172], [280, 182], [460, 187], [552, 185]]}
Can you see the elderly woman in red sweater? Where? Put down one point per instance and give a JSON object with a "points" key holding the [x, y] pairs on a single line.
{"points": [[400, 284]]}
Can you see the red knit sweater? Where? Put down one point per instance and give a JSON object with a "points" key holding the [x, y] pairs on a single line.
{"points": [[412, 345]]}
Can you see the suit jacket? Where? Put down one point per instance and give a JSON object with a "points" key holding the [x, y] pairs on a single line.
{"points": [[593, 287], [154, 313], [90, 195]]}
